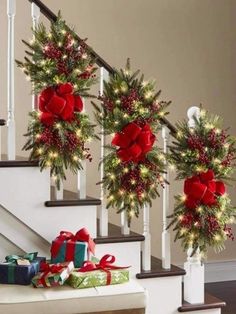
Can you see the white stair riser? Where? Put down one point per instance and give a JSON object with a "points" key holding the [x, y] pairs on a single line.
{"points": [[126, 253], [164, 294], [24, 190]]}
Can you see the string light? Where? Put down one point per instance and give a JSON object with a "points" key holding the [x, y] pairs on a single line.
{"points": [[116, 91], [180, 217], [121, 192], [63, 31], [202, 113], [38, 135], [172, 167], [133, 182], [126, 116], [118, 101], [144, 170], [58, 125], [59, 44], [161, 113], [84, 56], [48, 163], [161, 156], [112, 176], [111, 197], [179, 134], [78, 132], [126, 170], [132, 213], [217, 237], [131, 196], [75, 158], [49, 35], [183, 198], [40, 151], [199, 209], [148, 95], [183, 231], [43, 62], [64, 57]]}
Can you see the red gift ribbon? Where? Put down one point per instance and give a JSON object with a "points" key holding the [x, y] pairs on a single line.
{"points": [[81, 236], [203, 189], [46, 269], [105, 264]]}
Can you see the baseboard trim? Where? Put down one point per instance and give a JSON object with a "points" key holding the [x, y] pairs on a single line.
{"points": [[220, 271]]}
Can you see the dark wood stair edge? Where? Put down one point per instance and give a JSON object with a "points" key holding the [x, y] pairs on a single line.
{"points": [[115, 236], [157, 271], [77, 202], [17, 163], [2, 122], [211, 302]]}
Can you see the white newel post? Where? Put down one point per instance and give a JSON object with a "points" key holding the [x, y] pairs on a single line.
{"points": [[146, 244], [59, 193], [103, 213], [194, 278], [81, 177], [11, 141], [125, 230], [166, 207], [35, 14]]}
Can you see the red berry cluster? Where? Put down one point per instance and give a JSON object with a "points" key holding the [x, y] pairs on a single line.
{"points": [[228, 231], [187, 220], [212, 225], [51, 51], [72, 142], [128, 101]]}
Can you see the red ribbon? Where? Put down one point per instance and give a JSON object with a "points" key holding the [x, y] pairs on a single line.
{"points": [[49, 268], [105, 264], [81, 236], [134, 142], [202, 189]]}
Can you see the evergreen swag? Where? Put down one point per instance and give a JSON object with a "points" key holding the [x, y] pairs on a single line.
{"points": [[62, 71], [133, 165], [205, 157]]}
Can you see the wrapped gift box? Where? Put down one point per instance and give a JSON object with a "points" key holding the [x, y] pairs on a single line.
{"points": [[19, 270], [81, 280], [54, 275], [69, 247]]}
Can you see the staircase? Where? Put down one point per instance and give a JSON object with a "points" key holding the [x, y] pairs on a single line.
{"points": [[33, 213]]}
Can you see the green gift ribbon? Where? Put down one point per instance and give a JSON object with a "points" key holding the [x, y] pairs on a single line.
{"points": [[11, 273], [13, 258]]}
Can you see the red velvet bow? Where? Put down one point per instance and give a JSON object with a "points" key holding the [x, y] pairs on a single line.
{"points": [[59, 102], [81, 236], [134, 142], [105, 264], [202, 189]]}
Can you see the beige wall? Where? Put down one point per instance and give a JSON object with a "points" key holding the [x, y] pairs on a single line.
{"points": [[188, 46]]}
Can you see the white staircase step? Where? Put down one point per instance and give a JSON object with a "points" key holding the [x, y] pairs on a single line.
{"points": [[24, 190], [66, 300]]}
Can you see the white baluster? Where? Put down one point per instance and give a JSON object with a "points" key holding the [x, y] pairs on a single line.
{"points": [[35, 14], [165, 206], [81, 177], [146, 244], [103, 213], [194, 278], [0, 143], [57, 194], [125, 230], [11, 141], [82, 181]]}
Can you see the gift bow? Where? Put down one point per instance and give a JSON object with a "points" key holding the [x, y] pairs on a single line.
{"points": [[14, 258], [81, 236], [59, 102], [105, 264], [47, 269], [202, 189], [134, 142]]}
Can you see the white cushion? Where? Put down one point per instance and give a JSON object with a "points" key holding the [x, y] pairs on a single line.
{"points": [[66, 300]]}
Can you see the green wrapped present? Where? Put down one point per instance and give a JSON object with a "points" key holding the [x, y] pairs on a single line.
{"points": [[53, 275], [100, 274]]}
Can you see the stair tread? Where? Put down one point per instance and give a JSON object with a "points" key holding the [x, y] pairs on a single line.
{"points": [[19, 162], [157, 270], [211, 302], [71, 199], [115, 236]]}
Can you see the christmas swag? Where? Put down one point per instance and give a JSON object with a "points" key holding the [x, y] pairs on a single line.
{"points": [[204, 157], [133, 165], [61, 70]]}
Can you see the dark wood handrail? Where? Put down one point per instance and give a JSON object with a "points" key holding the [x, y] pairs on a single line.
{"points": [[99, 60], [2, 122]]}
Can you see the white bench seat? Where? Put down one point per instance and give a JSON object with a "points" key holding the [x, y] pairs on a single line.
{"points": [[16, 299]]}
